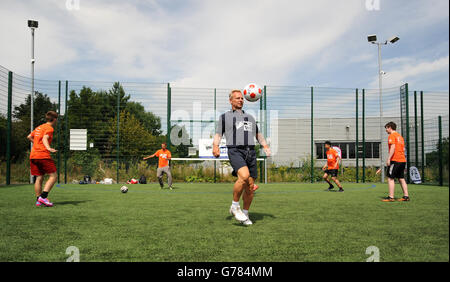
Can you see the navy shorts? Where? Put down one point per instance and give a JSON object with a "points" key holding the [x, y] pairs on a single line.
{"points": [[240, 157], [332, 172], [396, 170]]}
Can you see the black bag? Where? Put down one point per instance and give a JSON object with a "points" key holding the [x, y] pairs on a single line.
{"points": [[142, 180]]}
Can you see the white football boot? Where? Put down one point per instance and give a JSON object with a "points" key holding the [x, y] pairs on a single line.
{"points": [[248, 221], [238, 214]]}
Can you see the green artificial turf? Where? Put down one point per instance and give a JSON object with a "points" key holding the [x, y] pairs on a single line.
{"points": [[292, 222]]}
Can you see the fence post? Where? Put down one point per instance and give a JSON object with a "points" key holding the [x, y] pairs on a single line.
{"points": [[169, 109], [441, 174], [312, 134], [66, 119], [408, 147], [118, 136], [8, 130], [364, 135], [357, 137], [265, 131], [416, 133], [59, 132], [422, 136]]}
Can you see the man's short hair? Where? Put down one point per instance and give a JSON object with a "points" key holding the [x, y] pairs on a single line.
{"points": [[391, 125], [51, 116], [328, 143], [233, 91]]}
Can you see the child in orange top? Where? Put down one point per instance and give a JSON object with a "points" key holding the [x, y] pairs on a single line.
{"points": [[332, 167], [41, 162], [396, 162]]}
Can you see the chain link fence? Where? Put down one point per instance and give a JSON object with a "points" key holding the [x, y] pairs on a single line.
{"points": [[126, 121]]}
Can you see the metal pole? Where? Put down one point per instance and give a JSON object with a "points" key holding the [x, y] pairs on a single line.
{"points": [[32, 91], [408, 147], [364, 135], [422, 136], [312, 135], [416, 133], [8, 131], [441, 174], [265, 131], [118, 135], [215, 115], [169, 101], [357, 137], [381, 111], [59, 132], [66, 133]]}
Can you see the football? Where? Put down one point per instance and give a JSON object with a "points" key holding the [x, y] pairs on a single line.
{"points": [[252, 92], [124, 189]]}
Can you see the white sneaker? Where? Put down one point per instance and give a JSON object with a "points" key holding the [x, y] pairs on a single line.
{"points": [[238, 214], [247, 222]]}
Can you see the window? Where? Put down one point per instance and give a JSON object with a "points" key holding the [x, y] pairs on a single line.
{"points": [[349, 150]]}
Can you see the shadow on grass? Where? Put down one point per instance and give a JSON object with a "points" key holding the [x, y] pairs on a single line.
{"points": [[75, 203], [254, 216]]}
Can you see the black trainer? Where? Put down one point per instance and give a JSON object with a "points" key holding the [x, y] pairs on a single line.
{"points": [[330, 188], [341, 190]]}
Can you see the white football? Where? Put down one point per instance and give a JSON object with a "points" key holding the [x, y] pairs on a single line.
{"points": [[124, 189], [252, 92]]}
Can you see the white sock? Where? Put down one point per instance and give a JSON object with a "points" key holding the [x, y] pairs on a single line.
{"points": [[235, 204], [245, 212]]}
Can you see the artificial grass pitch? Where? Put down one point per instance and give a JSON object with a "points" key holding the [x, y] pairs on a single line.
{"points": [[292, 222]]}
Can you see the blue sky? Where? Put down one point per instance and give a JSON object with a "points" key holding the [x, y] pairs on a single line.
{"points": [[227, 44]]}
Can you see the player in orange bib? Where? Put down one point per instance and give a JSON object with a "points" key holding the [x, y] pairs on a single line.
{"points": [[396, 163], [332, 167], [164, 156], [41, 162]]}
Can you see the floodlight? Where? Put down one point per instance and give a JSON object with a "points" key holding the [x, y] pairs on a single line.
{"points": [[372, 38], [32, 23], [394, 39]]}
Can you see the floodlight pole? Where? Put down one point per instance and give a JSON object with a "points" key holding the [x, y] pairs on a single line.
{"points": [[380, 89], [32, 90]]}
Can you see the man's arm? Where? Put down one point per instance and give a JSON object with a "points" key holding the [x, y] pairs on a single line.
{"points": [[148, 157], [216, 142], [391, 153], [30, 137], [263, 143], [47, 145]]}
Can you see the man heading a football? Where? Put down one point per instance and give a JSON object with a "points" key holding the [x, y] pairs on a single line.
{"points": [[331, 168], [240, 130], [41, 162]]}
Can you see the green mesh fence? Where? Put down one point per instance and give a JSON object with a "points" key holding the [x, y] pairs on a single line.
{"points": [[126, 121]]}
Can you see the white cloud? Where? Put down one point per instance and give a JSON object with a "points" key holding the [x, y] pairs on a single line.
{"points": [[410, 70]]}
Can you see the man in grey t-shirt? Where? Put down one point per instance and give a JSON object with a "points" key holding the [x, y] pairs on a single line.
{"points": [[240, 131]]}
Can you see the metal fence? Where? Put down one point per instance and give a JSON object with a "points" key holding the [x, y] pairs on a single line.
{"points": [[126, 121]]}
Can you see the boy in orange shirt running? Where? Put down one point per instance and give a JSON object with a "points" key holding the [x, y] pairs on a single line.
{"points": [[396, 163], [164, 156], [332, 167], [41, 162]]}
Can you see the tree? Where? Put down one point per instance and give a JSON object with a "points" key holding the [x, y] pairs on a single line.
{"points": [[134, 140], [150, 121], [42, 105]]}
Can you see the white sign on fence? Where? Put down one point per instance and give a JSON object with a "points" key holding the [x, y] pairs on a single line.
{"points": [[78, 139], [205, 149]]}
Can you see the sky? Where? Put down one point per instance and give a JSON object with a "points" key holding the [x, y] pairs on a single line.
{"points": [[227, 44]]}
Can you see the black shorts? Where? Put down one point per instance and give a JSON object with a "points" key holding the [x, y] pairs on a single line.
{"points": [[396, 170], [332, 172], [240, 157]]}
